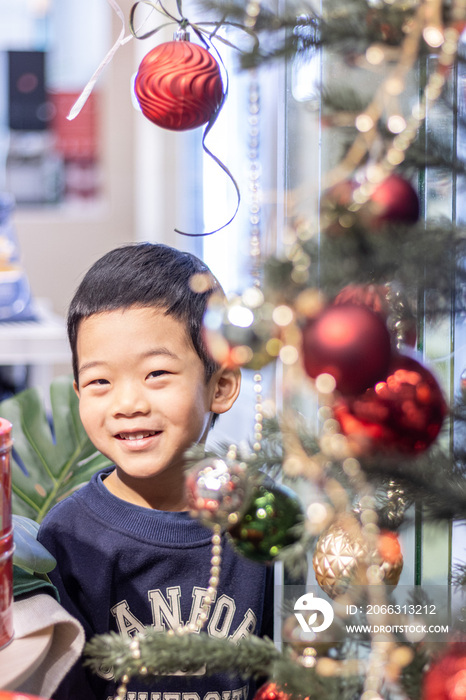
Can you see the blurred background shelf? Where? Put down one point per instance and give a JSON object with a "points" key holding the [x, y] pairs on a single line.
{"points": [[32, 351]]}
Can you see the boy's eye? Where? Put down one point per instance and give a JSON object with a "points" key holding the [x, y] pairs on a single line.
{"points": [[157, 373], [99, 381]]}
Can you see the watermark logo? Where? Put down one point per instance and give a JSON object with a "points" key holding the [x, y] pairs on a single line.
{"points": [[311, 605]]}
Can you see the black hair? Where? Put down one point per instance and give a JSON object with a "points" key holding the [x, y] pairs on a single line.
{"points": [[147, 275]]}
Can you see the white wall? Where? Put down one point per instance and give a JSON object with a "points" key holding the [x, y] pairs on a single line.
{"points": [[59, 243]]}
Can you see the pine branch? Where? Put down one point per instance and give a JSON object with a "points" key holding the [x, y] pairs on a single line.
{"points": [[421, 255], [163, 653], [458, 578], [433, 480], [299, 681], [271, 454], [349, 27]]}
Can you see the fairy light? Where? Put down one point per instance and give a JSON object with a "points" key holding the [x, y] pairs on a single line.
{"points": [[394, 86], [433, 36], [288, 354], [375, 55], [396, 123], [364, 122], [253, 9]]}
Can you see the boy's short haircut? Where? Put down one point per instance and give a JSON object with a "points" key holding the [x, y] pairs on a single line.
{"points": [[146, 275]]}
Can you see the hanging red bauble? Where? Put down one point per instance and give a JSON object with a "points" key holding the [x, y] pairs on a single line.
{"points": [[446, 678], [389, 302], [178, 85], [349, 342], [394, 200], [270, 691], [403, 413]]}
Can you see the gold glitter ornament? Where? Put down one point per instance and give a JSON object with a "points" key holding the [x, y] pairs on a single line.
{"points": [[341, 557], [339, 552]]}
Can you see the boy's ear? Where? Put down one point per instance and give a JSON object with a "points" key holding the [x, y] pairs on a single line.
{"points": [[76, 388], [226, 390]]}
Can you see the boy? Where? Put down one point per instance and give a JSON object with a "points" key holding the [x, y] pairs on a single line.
{"points": [[128, 553]]}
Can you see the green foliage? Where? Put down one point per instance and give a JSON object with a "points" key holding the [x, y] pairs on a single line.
{"points": [[29, 554], [59, 459], [162, 653]]}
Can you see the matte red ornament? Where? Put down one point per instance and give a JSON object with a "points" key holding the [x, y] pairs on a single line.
{"points": [[403, 413], [178, 85], [349, 342], [270, 691], [446, 678], [395, 199]]}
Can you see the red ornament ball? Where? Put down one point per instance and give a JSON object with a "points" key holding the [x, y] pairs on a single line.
{"points": [[395, 199], [179, 86], [351, 343], [403, 413], [270, 691], [446, 678]]}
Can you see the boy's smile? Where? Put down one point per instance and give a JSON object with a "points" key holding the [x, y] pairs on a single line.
{"points": [[143, 400]]}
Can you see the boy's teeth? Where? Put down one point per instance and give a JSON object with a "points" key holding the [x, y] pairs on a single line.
{"points": [[136, 436]]}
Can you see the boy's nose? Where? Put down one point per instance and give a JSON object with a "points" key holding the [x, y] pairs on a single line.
{"points": [[130, 400]]}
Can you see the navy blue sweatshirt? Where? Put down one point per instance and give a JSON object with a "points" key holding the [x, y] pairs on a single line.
{"points": [[121, 567]]}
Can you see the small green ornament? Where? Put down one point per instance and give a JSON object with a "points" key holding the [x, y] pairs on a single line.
{"points": [[271, 522]]}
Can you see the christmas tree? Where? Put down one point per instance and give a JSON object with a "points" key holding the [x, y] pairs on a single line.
{"points": [[369, 432]]}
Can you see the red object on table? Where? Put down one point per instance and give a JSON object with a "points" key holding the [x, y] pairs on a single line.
{"points": [[6, 536]]}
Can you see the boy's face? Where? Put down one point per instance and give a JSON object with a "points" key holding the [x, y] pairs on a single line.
{"points": [[143, 398]]}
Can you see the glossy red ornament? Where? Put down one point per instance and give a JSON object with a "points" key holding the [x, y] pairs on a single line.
{"points": [[349, 342], [402, 413], [446, 678], [178, 85], [389, 302], [269, 691]]}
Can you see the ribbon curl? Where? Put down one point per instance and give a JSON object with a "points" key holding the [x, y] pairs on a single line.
{"points": [[82, 99]]}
